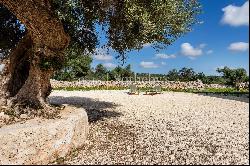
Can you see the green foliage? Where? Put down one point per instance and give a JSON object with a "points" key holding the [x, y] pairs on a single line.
{"points": [[184, 74], [101, 72], [230, 76], [79, 26], [134, 23], [220, 90], [213, 80], [187, 74], [77, 65], [118, 73], [54, 63], [127, 71], [173, 75], [129, 24], [233, 76]]}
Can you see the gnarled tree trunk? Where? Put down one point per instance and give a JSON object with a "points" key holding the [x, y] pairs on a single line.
{"points": [[26, 82]]}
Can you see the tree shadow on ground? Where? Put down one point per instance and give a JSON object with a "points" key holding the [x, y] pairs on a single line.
{"points": [[96, 110], [240, 97]]}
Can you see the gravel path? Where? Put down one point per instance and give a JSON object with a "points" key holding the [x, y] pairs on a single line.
{"points": [[168, 128]]}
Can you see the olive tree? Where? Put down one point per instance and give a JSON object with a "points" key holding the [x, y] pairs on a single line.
{"points": [[34, 35], [233, 76]]}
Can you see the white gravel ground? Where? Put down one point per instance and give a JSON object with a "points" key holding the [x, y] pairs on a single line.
{"points": [[168, 128]]}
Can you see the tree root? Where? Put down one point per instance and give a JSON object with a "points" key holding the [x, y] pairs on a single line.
{"points": [[14, 109]]}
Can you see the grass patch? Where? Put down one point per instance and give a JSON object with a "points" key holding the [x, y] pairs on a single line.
{"points": [[223, 90]]}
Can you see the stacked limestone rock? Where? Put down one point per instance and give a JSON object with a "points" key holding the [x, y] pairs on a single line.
{"points": [[216, 86], [243, 85], [198, 85], [142, 84]]}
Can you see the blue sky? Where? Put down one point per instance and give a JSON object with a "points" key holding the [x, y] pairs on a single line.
{"points": [[222, 40]]}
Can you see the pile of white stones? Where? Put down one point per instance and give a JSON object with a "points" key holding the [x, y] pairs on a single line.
{"points": [[164, 84], [243, 85], [165, 129]]}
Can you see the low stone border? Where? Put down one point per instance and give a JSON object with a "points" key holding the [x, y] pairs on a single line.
{"points": [[164, 84], [41, 141]]}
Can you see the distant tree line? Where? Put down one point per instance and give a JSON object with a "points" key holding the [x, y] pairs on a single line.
{"points": [[76, 65], [79, 67], [233, 76], [118, 73]]}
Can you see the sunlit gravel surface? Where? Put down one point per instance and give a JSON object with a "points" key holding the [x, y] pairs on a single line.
{"points": [[168, 128]]}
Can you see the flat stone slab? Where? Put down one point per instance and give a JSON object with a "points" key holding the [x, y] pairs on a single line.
{"points": [[41, 141]]}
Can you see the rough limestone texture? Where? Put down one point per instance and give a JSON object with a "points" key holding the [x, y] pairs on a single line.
{"points": [[198, 85], [41, 141]]}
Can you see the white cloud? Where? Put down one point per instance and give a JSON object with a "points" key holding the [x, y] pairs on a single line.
{"points": [[148, 65], [236, 16], [239, 46], [147, 45], [188, 50], [102, 55], [203, 45], [165, 56], [109, 65], [209, 52], [201, 22], [163, 63]]}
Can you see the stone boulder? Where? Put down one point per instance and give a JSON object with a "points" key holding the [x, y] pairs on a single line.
{"points": [[41, 141]]}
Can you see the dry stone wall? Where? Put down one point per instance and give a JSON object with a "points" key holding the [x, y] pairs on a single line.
{"points": [[164, 84]]}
